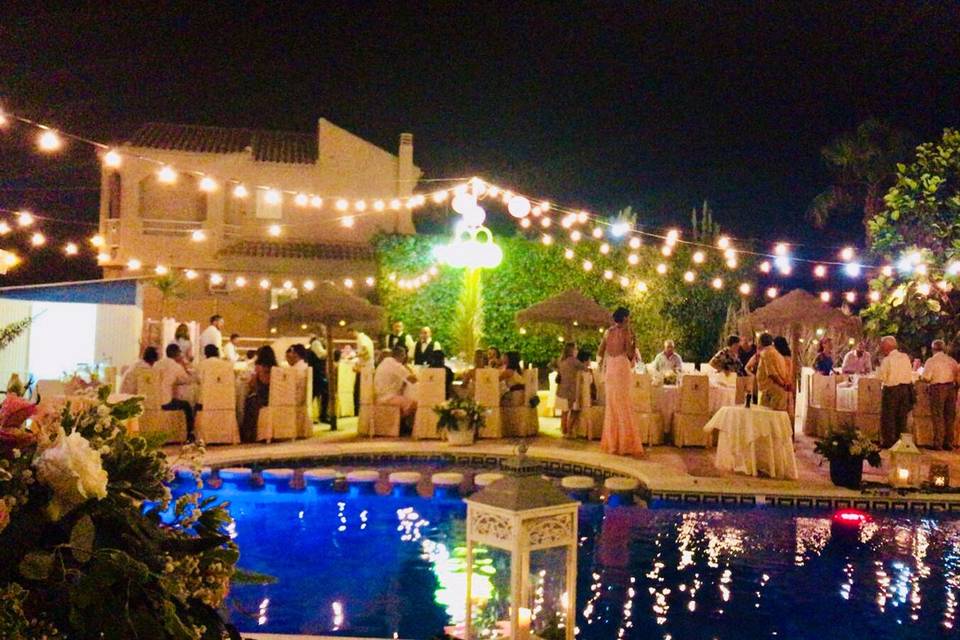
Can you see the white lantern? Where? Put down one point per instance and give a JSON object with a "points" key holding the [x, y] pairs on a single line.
{"points": [[518, 206], [464, 202], [474, 217], [905, 462]]}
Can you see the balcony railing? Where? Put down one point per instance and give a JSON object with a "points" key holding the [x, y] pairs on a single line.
{"points": [[160, 227]]}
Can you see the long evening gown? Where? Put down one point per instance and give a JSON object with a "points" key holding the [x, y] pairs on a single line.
{"points": [[621, 434]]}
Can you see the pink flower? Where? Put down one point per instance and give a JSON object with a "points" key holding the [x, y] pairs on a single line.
{"points": [[15, 411], [11, 439]]}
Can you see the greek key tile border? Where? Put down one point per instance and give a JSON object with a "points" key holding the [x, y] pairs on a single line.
{"points": [[896, 505]]}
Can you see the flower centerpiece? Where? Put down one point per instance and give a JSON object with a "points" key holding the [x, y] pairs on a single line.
{"points": [[461, 419], [88, 546], [670, 378], [846, 450]]}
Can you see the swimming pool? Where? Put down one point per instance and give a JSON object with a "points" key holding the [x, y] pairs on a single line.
{"points": [[377, 565]]}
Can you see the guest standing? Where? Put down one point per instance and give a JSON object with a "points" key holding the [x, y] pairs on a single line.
{"points": [[942, 372], [747, 350], [823, 363], [771, 375], [668, 360], [621, 435], [896, 401], [258, 393], [728, 360], [182, 338], [213, 334], [858, 361], [783, 348], [568, 373]]}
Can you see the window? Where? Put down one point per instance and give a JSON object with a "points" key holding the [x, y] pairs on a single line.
{"points": [[113, 196], [268, 210]]}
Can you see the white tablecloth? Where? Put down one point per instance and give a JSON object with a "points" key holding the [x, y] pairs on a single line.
{"points": [[667, 400], [754, 441], [846, 398]]}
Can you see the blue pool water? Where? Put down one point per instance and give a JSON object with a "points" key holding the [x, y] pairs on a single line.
{"points": [[374, 565]]}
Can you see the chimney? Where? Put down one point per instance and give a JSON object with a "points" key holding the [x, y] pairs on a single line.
{"points": [[405, 175]]}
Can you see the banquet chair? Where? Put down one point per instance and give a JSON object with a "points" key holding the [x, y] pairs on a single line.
{"points": [[707, 370], [375, 419], [278, 420], [693, 413], [217, 421], [821, 415], [431, 391], [649, 420], [921, 422], [155, 419], [521, 420], [304, 400], [48, 389], [587, 415], [486, 393], [688, 367], [867, 416]]}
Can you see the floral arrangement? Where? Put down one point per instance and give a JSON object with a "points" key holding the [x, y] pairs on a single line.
{"points": [[88, 548], [670, 377], [848, 444], [460, 414]]}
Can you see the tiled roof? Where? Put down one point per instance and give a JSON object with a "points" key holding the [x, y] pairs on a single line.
{"points": [[301, 250], [265, 146]]}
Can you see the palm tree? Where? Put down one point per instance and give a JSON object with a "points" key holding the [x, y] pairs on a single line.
{"points": [[170, 287], [864, 164]]}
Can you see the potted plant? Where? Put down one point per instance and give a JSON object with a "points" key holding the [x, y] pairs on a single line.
{"points": [[846, 451], [461, 419]]}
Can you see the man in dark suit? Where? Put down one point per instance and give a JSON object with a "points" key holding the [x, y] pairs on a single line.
{"points": [[399, 337], [425, 346]]}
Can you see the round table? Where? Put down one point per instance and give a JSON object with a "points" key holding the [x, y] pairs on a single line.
{"points": [[754, 441]]}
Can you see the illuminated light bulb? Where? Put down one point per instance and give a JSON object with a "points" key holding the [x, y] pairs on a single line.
{"points": [[264, 284], [493, 191], [167, 175], [288, 284], [634, 243], [112, 159], [568, 254], [780, 249], [765, 266], [395, 204], [370, 281], [273, 330], [582, 217], [208, 184], [717, 283], [474, 217], [316, 202], [102, 257], [240, 191], [852, 269], [273, 196], [525, 223], [744, 288], [597, 233], [38, 239], [604, 248], [301, 200], [545, 205], [49, 141], [274, 230], [308, 285], [624, 281], [547, 239], [479, 187], [198, 235], [699, 257], [360, 205], [825, 296], [723, 242], [545, 223], [887, 271], [731, 263], [348, 283], [607, 274], [850, 296], [575, 235], [190, 274], [419, 200], [874, 296], [689, 276], [620, 229], [641, 286], [587, 265], [4, 120], [347, 221], [666, 250], [379, 205], [772, 292], [216, 279], [341, 204], [923, 288], [134, 265], [846, 254], [161, 270], [672, 236], [729, 254], [661, 268], [71, 249], [633, 259], [25, 219], [460, 189], [536, 211], [409, 204], [819, 271], [517, 206], [440, 196], [4, 228], [783, 265], [568, 221]]}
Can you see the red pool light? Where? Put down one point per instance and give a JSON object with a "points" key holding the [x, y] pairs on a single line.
{"points": [[851, 517]]}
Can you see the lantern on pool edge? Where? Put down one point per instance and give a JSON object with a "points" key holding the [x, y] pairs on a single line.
{"points": [[525, 528], [905, 462]]}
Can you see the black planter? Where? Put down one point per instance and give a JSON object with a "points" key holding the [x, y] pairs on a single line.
{"points": [[847, 472]]}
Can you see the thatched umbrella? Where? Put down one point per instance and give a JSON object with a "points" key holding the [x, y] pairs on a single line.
{"points": [[329, 306], [569, 310]]}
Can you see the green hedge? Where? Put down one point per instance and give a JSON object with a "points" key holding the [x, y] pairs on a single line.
{"points": [[692, 315]]}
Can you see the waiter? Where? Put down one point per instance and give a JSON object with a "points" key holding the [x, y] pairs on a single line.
{"points": [[426, 345], [896, 402], [399, 337]]}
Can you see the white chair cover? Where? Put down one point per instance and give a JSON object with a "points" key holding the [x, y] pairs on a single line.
{"points": [[217, 422]]}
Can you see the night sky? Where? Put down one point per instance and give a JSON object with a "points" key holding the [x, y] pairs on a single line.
{"points": [[654, 105]]}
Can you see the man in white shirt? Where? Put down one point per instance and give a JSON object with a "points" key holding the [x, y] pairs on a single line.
{"points": [[230, 350], [858, 361], [213, 334], [399, 336], [668, 360], [389, 380], [896, 375], [425, 346], [174, 376], [150, 357], [295, 358], [942, 371]]}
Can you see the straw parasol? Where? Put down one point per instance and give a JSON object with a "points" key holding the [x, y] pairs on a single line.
{"points": [[569, 310], [329, 305]]}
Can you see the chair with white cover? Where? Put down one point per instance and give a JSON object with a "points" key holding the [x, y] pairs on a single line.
{"points": [[217, 421], [431, 392], [587, 414], [650, 420], [707, 370], [693, 413], [486, 393], [278, 420], [821, 415], [921, 420], [48, 389], [304, 400], [688, 367], [155, 419], [521, 420], [375, 419]]}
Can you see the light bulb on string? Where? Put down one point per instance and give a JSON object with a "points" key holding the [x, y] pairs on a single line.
{"points": [[744, 288], [723, 242], [198, 235], [604, 248], [161, 270], [634, 243], [439, 196], [379, 205], [672, 236], [240, 282], [112, 159], [49, 141], [699, 257], [4, 120], [846, 254], [25, 219], [689, 276], [166, 175], [264, 283], [71, 249], [547, 239], [134, 265], [103, 258], [874, 296], [568, 254], [633, 259], [525, 223], [608, 274], [661, 268], [587, 265], [641, 286], [288, 284], [395, 204], [370, 281], [348, 283], [619, 229], [360, 205], [597, 233], [731, 263], [474, 217], [4, 228], [190, 274], [852, 269], [208, 184], [819, 271], [545, 205], [624, 281], [923, 288], [98, 241], [347, 221], [316, 202], [582, 217], [308, 285], [850, 297], [666, 251], [216, 279], [463, 202], [38, 239], [575, 235], [765, 266], [717, 283], [301, 200], [825, 296], [772, 292], [341, 204], [274, 230], [518, 206], [272, 197], [545, 223], [240, 191]]}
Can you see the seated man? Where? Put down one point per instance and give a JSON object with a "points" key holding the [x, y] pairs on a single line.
{"points": [[296, 357], [390, 378], [858, 361], [668, 360], [173, 378], [150, 357]]}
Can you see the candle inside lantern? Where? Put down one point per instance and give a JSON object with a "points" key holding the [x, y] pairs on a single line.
{"points": [[903, 474], [524, 617], [939, 481]]}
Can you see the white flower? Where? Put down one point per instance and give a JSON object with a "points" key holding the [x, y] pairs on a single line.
{"points": [[74, 470]]}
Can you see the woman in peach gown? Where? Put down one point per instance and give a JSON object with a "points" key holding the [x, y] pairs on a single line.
{"points": [[621, 434]]}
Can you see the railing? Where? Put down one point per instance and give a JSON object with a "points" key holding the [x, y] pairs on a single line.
{"points": [[161, 227]]}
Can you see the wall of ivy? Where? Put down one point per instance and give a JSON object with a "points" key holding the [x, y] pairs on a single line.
{"points": [[691, 314]]}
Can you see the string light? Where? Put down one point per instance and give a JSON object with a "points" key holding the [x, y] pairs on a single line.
{"points": [[641, 286], [846, 254], [240, 282], [288, 284], [661, 268], [272, 197], [717, 283], [545, 223], [587, 265], [723, 242], [341, 205], [370, 281], [360, 205], [208, 184], [134, 265], [347, 221], [765, 266], [316, 202], [308, 285], [731, 263], [161, 270], [264, 284], [608, 274], [633, 259], [568, 254], [604, 248], [216, 279], [825, 296], [379, 205], [699, 257], [672, 236], [112, 159], [348, 283], [38, 239], [819, 271], [49, 141], [71, 249], [301, 200], [167, 175], [525, 223], [624, 281], [190, 274], [850, 296], [547, 239], [103, 257], [575, 235], [923, 288], [597, 233], [689, 276], [4, 120], [25, 219], [198, 235], [634, 242], [772, 292], [275, 230], [744, 288], [4, 228], [240, 191], [874, 296], [98, 241], [666, 251]]}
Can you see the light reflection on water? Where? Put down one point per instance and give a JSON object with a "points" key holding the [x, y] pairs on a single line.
{"points": [[368, 565]]}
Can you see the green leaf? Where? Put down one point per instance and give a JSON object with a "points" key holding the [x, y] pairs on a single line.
{"points": [[36, 565], [81, 539]]}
